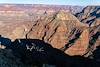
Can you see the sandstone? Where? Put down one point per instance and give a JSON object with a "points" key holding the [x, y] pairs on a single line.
{"points": [[81, 45]]}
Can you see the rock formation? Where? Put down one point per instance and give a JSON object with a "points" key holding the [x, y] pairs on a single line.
{"points": [[90, 15], [60, 29], [64, 31]]}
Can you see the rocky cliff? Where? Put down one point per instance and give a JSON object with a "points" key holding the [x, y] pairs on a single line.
{"points": [[64, 31], [90, 15]]}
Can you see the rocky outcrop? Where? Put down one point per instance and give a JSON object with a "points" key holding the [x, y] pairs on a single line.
{"points": [[81, 44], [94, 39], [64, 31], [90, 15], [61, 30]]}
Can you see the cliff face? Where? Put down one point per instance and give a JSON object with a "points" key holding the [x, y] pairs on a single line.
{"points": [[64, 31], [90, 15], [61, 30]]}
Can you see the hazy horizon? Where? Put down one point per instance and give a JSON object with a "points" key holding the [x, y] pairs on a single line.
{"points": [[53, 2]]}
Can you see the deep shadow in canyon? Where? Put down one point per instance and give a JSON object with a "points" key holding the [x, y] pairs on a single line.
{"points": [[38, 52]]}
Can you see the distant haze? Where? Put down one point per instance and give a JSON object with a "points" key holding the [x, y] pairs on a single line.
{"points": [[55, 2]]}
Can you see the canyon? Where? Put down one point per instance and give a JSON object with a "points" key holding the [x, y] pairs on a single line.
{"points": [[72, 30]]}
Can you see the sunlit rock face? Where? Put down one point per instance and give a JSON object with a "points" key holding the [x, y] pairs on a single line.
{"points": [[80, 46], [14, 29]]}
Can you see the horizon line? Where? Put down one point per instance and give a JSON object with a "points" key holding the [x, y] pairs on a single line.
{"points": [[44, 4]]}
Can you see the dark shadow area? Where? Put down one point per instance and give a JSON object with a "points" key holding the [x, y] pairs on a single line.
{"points": [[92, 42], [5, 41], [95, 14], [96, 54], [94, 38], [72, 41], [38, 52], [90, 21]]}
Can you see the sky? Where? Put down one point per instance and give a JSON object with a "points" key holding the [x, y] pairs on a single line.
{"points": [[56, 2]]}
